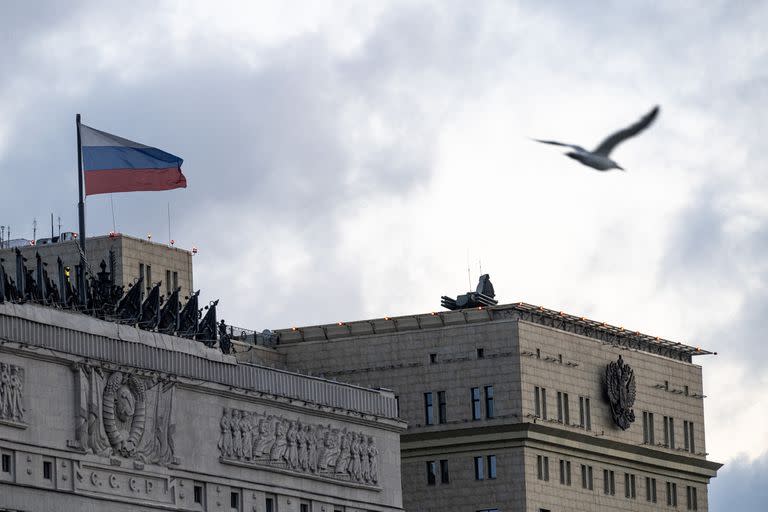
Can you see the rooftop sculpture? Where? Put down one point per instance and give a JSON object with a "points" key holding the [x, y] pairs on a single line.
{"points": [[482, 296]]}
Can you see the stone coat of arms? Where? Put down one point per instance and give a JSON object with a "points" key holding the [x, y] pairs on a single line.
{"points": [[620, 389]]}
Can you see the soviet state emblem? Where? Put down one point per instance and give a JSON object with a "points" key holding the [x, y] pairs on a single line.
{"points": [[620, 391]]}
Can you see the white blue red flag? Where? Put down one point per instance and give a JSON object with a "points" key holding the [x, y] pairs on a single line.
{"points": [[114, 164]]}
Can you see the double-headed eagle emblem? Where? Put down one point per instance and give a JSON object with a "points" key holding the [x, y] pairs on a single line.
{"points": [[620, 390]]}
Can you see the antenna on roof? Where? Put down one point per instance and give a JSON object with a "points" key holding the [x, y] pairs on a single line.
{"points": [[51, 226], [34, 229]]}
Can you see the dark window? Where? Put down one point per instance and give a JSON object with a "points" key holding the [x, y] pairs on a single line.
{"points": [[479, 468], [542, 467], [441, 407], [492, 467], [175, 281], [429, 418], [671, 494], [666, 385], [397, 405], [648, 435], [540, 402], [6, 463], [431, 472], [489, 401], [168, 283], [650, 489], [586, 477], [691, 501], [560, 358], [198, 493], [269, 505], [234, 500], [432, 358], [47, 469], [565, 472], [688, 436], [563, 413], [685, 388], [629, 486], [148, 283], [585, 415], [476, 404], [444, 476], [669, 432], [480, 353], [609, 482], [538, 353], [141, 276], [304, 507]]}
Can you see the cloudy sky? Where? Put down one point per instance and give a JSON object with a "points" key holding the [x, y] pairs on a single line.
{"points": [[349, 160]]}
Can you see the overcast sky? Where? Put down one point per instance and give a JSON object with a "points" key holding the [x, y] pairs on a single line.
{"points": [[347, 160]]}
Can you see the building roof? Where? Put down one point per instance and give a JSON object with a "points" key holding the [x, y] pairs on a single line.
{"points": [[580, 325]]}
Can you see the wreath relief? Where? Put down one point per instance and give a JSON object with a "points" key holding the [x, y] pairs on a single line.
{"points": [[124, 412]]}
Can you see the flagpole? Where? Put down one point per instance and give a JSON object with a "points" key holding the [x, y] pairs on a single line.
{"points": [[81, 212]]}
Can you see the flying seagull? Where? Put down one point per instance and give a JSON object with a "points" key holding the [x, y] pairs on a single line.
{"points": [[598, 158]]}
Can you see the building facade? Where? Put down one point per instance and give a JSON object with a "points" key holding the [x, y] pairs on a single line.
{"points": [[519, 408], [134, 258], [100, 416]]}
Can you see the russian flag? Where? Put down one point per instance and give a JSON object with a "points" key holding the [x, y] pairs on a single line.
{"points": [[114, 164]]}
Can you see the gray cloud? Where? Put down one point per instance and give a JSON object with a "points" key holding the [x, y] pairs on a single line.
{"points": [[740, 485]]}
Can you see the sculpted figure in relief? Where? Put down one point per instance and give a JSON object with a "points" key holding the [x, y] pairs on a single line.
{"points": [[266, 437], [373, 459], [246, 427], [365, 463], [342, 462], [237, 439], [225, 441], [301, 442], [278, 449], [330, 450], [312, 448], [355, 470], [5, 391], [291, 453]]}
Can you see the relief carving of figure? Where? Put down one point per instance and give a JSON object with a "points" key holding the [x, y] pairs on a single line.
{"points": [[291, 453], [5, 391], [266, 437], [365, 463], [246, 427], [237, 439], [311, 448], [225, 441], [373, 459], [301, 442], [355, 470], [342, 462], [330, 449], [279, 447]]}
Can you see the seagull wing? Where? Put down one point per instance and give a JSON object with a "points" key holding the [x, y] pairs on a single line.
{"points": [[555, 143], [617, 138]]}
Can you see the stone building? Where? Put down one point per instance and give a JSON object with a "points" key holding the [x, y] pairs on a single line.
{"points": [[100, 416], [520, 408], [134, 258]]}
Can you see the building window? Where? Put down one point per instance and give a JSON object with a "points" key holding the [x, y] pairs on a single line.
{"points": [[488, 510], [476, 404], [47, 470], [234, 500], [445, 478], [432, 358], [585, 415], [441, 407], [688, 436], [479, 468], [540, 402], [429, 418], [198, 493], [431, 472], [491, 467], [397, 405], [542, 467], [669, 432], [489, 401], [586, 477], [691, 501], [563, 413], [538, 353], [148, 284], [629, 486], [609, 482], [6, 464], [565, 472], [168, 282], [671, 494], [305, 507], [141, 276], [650, 489], [269, 504], [648, 437], [175, 281], [480, 353]]}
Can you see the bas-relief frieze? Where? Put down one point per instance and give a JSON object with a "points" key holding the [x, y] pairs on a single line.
{"points": [[11, 395], [125, 415], [262, 439]]}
